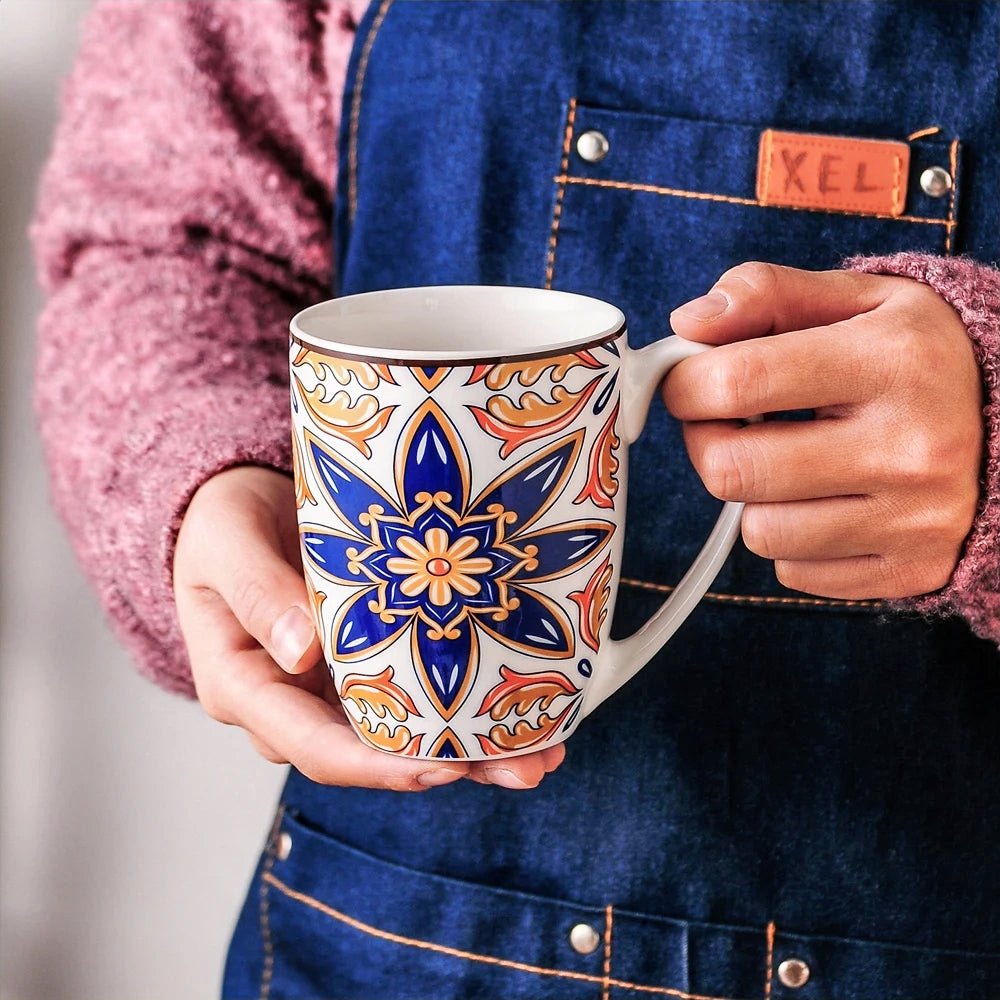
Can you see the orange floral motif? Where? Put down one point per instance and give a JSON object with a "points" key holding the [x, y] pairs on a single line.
{"points": [[515, 423], [356, 422], [383, 738], [527, 373], [593, 603], [519, 693], [379, 695], [437, 566], [367, 375], [602, 470], [303, 494]]}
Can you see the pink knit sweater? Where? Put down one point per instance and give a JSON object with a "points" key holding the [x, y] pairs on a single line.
{"points": [[184, 216]]}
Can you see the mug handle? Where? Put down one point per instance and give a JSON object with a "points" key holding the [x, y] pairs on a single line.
{"points": [[644, 370]]}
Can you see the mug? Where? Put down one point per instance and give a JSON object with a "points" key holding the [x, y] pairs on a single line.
{"points": [[461, 471]]}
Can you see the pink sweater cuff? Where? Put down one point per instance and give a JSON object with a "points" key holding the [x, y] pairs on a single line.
{"points": [[973, 290]]}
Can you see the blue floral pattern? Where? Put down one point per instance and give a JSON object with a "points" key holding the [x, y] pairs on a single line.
{"points": [[443, 564]]}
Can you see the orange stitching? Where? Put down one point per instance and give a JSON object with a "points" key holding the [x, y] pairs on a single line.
{"points": [[265, 908], [768, 152], [770, 960], [818, 602], [920, 133], [953, 163], [896, 174], [352, 144], [472, 956], [751, 202], [550, 261], [608, 918]]}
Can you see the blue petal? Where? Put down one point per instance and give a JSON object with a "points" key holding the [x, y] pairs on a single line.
{"points": [[535, 626], [349, 491], [605, 397], [433, 517], [432, 460], [326, 551], [358, 632], [563, 548], [532, 486], [446, 666]]}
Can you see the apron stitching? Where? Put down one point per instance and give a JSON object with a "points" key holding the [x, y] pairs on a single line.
{"points": [[267, 969], [921, 132], [732, 200], [770, 961], [352, 144], [953, 164], [896, 176], [550, 261], [472, 956], [608, 920], [768, 139], [822, 602]]}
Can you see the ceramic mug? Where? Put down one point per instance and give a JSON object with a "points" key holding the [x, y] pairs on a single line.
{"points": [[461, 474]]}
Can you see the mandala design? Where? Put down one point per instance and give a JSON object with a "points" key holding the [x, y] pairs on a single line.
{"points": [[602, 467], [533, 415], [381, 699], [443, 565], [593, 604], [355, 421], [522, 695]]}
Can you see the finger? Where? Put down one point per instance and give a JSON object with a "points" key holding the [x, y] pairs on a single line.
{"points": [[757, 299], [830, 366], [552, 757], [239, 683], [517, 773], [246, 566], [835, 528], [265, 751], [862, 578], [315, 737], [783, 460]]}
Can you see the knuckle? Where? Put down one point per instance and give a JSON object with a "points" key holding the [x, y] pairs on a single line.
{"points": [[728, 471], [923, 457], [250, 602], [763, 532], [758, 277], [213, 704], [789, 575], [739, 380]]}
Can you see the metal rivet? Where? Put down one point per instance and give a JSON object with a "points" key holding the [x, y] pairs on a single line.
{"points": [[592, 146], [284, 845], [584, 939], [793, 973], [935, 181]]}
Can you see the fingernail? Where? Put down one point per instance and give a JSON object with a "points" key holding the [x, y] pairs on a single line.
{"points": [[707, 307], [506, 778], [291, 636], [439, 776]]}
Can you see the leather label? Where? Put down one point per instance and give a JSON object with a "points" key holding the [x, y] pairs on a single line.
{"points": [[832, 173]]}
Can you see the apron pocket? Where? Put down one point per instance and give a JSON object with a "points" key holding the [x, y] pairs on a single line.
{"points": [[653, 222], [339, 922]]}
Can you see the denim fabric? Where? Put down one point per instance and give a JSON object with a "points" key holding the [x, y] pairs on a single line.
{"points": [[791, 777]]}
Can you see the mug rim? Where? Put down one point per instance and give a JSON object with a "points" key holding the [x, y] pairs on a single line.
{"points": [[341, 311]]}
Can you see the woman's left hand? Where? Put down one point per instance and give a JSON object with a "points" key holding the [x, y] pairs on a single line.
{"points": [[875, 497]]}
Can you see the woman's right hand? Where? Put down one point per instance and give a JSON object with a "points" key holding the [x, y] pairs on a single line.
{"points": [[255, 656]]}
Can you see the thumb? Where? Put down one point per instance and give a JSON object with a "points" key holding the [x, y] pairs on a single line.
{"points": [[242, 549], [757, 300]]}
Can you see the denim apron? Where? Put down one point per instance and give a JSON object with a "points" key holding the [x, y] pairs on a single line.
{"points": [[799, 797]]}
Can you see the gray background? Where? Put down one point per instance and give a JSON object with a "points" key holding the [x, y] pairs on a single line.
{"points": [[129, 822]]}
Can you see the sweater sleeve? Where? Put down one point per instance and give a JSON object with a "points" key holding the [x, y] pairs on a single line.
{"points": [[183, 217], [973, 291]]}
